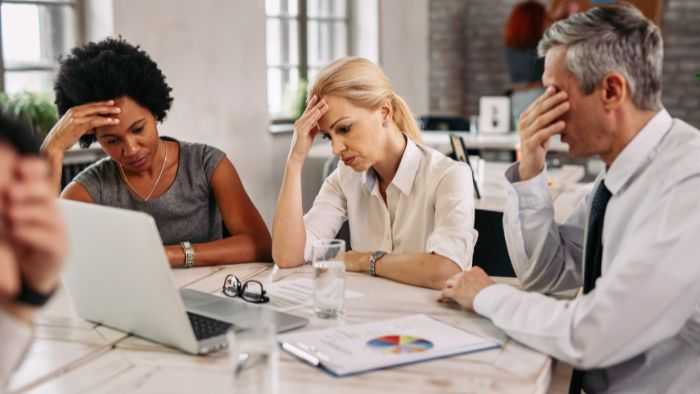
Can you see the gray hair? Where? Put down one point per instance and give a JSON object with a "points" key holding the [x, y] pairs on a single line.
{"points": [[611, 39]]}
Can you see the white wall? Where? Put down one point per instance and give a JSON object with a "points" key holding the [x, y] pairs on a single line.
{"points": [[403, 49], [213, 55]]}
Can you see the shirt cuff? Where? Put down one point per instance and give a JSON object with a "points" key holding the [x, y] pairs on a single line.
{"points": [[532, 192], [488, 300]]}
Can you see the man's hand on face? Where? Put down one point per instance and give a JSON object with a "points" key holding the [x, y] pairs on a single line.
{"points": [[33, 241], [36, 230], [537, 125], [9, 271]]}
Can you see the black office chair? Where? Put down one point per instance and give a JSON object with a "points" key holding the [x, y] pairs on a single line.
{"points": [[76, 161], [490, 251], [446, 123]]}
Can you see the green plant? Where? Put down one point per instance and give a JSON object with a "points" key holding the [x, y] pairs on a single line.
{"points": [[295, 99], [37, 109]]}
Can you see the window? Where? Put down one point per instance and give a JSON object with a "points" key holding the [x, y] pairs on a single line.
{"points": [[302, 37], [33, 34]]}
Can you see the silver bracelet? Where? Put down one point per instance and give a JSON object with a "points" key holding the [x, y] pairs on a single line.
{"points": [[189, 254]]}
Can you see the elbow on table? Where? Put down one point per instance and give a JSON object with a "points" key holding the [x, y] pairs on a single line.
{"points": [[443, 269], [286, 258]]}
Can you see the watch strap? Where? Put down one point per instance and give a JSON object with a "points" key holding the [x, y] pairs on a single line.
{"points": [[189, 254], [29, 296], [373, 259]]}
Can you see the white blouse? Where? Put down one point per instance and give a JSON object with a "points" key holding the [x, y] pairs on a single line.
{"points": [[429, 208]]}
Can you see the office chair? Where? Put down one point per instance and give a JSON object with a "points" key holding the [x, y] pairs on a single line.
{"points": [[490, 251], [447, 123]]}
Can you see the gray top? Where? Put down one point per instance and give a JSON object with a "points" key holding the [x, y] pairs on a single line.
{"points": [[187, 211]]}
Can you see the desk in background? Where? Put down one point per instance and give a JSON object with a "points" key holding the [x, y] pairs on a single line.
{"points": [[440, 140]]}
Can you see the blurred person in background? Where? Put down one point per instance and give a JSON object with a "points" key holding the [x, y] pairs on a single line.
{"points": [[522, 32], [32, 241]]}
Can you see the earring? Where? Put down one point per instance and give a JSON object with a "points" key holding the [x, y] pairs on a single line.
{"points": [[384, 124]]}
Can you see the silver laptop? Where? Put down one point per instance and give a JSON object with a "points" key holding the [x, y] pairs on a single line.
{"points": [[117, 274]]}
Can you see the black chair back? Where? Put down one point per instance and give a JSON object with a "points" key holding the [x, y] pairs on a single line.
{"points": [[490, 251]]}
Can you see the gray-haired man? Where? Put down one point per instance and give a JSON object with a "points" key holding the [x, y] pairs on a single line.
{"points": [[632, 243]]}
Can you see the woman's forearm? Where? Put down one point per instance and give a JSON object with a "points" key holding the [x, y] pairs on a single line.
{"points": [[55, 160], [240, 248], [288, 230], [418, 269]]}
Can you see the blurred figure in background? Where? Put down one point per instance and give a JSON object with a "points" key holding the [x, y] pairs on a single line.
{"points": [[562, 9], [523, 31], [32, 241]]}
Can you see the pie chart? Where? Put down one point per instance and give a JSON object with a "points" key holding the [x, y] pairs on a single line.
{"points": [[398, 344]]}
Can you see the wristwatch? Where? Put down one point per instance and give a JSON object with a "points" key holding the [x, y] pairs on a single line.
{"points": [[189, 254], [29, 296], [373, 259]]}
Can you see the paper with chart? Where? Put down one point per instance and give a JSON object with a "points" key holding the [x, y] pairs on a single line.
{"points": [[359, 348], [293, 293]]}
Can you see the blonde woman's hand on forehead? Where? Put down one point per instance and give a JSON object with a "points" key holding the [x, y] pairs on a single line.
{"points": [[306, 128]]}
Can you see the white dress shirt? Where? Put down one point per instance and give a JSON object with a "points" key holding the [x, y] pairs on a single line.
{"points": [[429, 208], [15, 338], [641, 324]]}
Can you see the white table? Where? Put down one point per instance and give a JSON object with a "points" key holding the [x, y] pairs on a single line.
{"points": [[73, 356]]}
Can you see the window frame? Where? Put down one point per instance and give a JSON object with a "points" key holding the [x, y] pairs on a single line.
{"points": [[52, 66], [302, 18]]}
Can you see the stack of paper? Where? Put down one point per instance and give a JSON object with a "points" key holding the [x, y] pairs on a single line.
{"points": [[360, 348]]}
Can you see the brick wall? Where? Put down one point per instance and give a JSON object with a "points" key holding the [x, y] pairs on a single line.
{"points": [[467, 57], [681, 28]]}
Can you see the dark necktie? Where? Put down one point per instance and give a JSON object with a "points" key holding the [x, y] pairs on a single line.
{"points": [[594, 258]]}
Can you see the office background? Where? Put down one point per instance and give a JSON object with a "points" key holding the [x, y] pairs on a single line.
{"points": [[441, 56]]}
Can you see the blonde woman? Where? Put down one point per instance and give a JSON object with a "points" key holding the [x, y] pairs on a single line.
{"points": [[410, 209]]}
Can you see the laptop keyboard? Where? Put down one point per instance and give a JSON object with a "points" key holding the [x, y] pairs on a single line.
{"points": [[206, 327]]}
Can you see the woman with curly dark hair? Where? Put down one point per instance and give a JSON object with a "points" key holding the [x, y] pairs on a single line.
{"points": [[112, 93]]}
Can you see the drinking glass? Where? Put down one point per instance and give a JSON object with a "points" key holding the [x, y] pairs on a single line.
{"points": [[254, 356], [329, 277]]}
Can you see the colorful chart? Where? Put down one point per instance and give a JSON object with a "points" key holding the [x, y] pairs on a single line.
{"points": [[398, 344]]}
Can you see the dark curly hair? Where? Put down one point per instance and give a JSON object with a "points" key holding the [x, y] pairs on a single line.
{"points": [[110, 69], [18, 134]]}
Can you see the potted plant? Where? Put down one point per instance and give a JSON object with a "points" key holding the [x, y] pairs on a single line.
{"points": [[37, 109]]}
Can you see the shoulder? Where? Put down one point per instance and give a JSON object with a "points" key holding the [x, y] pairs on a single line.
{"points": [[98, 171], [101, 175], [199, 150], [197, 157], [437, 166], [678, 152]]}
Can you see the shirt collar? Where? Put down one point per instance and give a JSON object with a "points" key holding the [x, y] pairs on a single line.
{"points": [[405, 174], [637, 151]]}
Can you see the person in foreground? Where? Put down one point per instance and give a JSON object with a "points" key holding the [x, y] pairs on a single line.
{"points": [[632, 243], [32, 241], [113, 93], [410, 208]]}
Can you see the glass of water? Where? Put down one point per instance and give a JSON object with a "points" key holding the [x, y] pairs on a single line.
{"points": [[254, 356], [329, 277]]}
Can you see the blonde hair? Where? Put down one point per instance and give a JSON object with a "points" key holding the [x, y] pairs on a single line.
{"points": [[364, 84]]}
